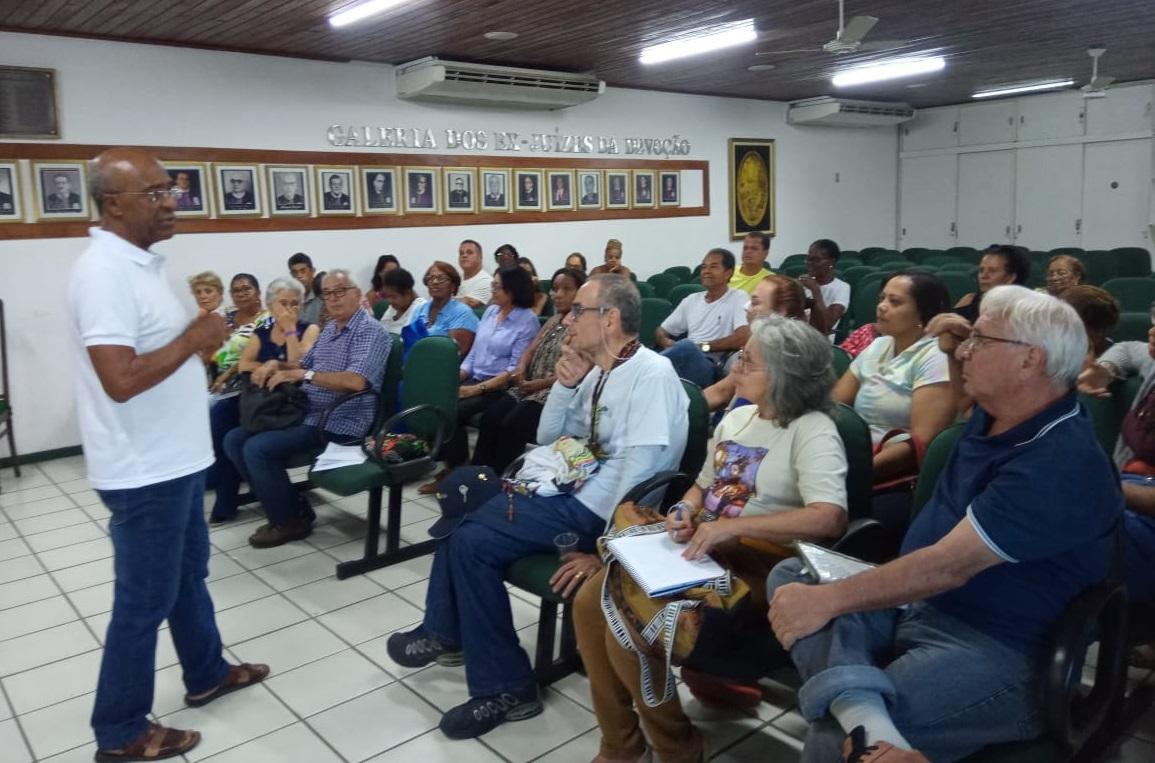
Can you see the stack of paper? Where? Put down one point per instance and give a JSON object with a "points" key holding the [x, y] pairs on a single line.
{"points": [[655, 563], [336, 456]]}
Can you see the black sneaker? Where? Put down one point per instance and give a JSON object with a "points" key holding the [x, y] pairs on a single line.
{"points": [[416, 649], [306, 509], [481, 715]]}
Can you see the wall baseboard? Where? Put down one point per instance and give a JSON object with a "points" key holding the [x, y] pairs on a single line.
{"points": [[43, 455]]}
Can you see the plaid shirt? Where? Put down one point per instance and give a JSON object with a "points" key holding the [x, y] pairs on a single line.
{"points": [[362, 347]]}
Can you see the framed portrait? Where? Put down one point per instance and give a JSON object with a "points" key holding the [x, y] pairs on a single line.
{"points": [[61, 191], [288, 188], [11, 209], [335, 190], [670, 188], [617, 189], [421, 189], [589, 189], [495, 188], [560, 185], [194, 181], [238, 192], [528, 185], [379, 191], [643, 188], [752, 169], [460, 189]]}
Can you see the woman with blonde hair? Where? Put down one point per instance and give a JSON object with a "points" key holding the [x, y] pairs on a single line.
{"points": [[208, 290]]}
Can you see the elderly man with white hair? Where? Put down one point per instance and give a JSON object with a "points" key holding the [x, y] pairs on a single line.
{"points": [[1010, 536]]}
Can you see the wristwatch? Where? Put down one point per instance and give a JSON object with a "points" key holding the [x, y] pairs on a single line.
{"points": [[704, 346], [309, 376]]}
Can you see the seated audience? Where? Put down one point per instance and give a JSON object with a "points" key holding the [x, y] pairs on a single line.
{"points": [[1001, 264], [397, 287], [505, 256], [474, 289], [506, 330], [442, 315], [577, 261], [775, 471], [242, 318], [1099, 312], [941, 650], [859, 339], [281, 336], [385, 263], [301, 268], [613, 262], [1063, 272], [753, 268], [829, 296], [510, 423], [705, 327], [627, 402], [348, 356], [900, 384], [540, 299]]}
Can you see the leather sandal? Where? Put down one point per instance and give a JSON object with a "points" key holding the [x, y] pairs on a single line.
{"points": [[156, 743], [429, 488], [239, 677]]}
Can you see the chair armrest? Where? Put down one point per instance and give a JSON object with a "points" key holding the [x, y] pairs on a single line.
{"points": [[512, 470], [659, 480], [328, 410], [1072, 714], [868, 540], [444, 426]]}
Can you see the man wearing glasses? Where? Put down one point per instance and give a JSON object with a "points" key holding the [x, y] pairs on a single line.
{"points": [[143, 415], [348, 356], [239, 196], [1023, 519]]}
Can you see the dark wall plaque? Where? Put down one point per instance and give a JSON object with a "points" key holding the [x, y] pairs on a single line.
{"points": [[28, 103]]}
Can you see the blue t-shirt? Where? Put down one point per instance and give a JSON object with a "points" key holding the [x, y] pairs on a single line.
{"points": [[455, 315], [1044, 498]]}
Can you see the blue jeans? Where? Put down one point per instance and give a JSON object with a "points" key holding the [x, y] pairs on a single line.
{"points": [[467, 604], [224, 416], [261, 459], [161, 547], [1139, 556], [691, 363], [950, 689]]}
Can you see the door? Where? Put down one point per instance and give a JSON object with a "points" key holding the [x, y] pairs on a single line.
{"points": [[986, 198], [1116, 194], [927, 201], [1048, 196]]}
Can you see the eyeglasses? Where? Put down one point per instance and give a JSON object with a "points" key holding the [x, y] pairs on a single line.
{"points": [[576, 309], [242, 290], [977, 340], [436, 279], [1058, 274], [154, 195], [337, 293], [745, 364]]}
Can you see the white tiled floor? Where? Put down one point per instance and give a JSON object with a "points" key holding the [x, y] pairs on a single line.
{"points": [[334, 694]]}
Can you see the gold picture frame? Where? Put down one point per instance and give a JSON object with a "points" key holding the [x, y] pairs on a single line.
{"points": [[11, 194], [196, 183], [751, 183], [459, 188], [61, 191], [335, 186]]}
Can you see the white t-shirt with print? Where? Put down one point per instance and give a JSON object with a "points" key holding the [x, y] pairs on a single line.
{"points": [[480, 287], [755, 467], [886, 383], [393, 323], [702, 321]]}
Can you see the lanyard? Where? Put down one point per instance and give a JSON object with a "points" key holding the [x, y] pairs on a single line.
{"points": [[595, 413]]}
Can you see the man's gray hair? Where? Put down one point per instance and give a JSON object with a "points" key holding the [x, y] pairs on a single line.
{"points": [[1042, 321], [278, 285], [618, 292], [343, 273], [97, 183], [799, 363]]}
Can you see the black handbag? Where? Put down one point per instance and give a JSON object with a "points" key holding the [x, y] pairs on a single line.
{"points": [[262, 410]]}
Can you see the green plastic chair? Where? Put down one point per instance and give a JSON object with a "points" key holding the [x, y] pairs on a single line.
{"points": [[681, 291], [841, 361], [794, 259], [855, 434], [654, 311], [964, 252], [645, 289], [683, 273], [846, 262], [939, 259], [1107, 413], [379, 308], [793, 270], [868, 253], [1100, 266], [958, 284], [1133, 293], [1132, 327], [855, 275], [662, 283], [1132, 260], [864, 300], [1074, 251], [428, 402], [933, 462]]}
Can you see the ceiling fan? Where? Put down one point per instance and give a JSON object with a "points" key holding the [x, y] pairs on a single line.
{"points": [[848, 38], [1097, 86]]}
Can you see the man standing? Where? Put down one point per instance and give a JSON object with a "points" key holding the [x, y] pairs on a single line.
{"points": [[829, 296], [144, 424], [1006, 542], [628, 403], [476, 285], [755, 250], [712, 323], [301, 268]]}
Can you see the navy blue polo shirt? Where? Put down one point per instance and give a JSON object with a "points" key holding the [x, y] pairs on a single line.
{"points": [[1045, 499]]}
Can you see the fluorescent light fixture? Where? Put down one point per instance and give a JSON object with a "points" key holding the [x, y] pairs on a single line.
{"points": [[361, 11], [717, 38], [1028, 88], [909, 67]]}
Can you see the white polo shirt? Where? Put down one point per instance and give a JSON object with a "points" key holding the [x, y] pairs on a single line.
{"points": [[119, 295]]}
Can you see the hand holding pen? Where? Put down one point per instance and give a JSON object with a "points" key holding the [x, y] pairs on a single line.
{"points": [[679, 522]]}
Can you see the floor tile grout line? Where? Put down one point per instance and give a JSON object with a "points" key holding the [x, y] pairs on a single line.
{"points": [[19, 723]]}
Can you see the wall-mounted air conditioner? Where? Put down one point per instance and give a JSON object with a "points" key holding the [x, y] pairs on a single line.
{"points": [[431, 79], [840, 112]]}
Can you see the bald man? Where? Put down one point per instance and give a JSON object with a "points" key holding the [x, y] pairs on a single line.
{"points": [[143, 412]]}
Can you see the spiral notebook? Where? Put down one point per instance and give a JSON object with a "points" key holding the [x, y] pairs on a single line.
{"points": [[655, 563]]}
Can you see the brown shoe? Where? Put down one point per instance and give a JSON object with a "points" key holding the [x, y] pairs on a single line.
{"points": [[269, 536], [156, 743], [240, 676], [429, 488]]}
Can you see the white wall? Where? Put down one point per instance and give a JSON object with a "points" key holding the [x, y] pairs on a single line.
{"points": [[831, 183]]}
